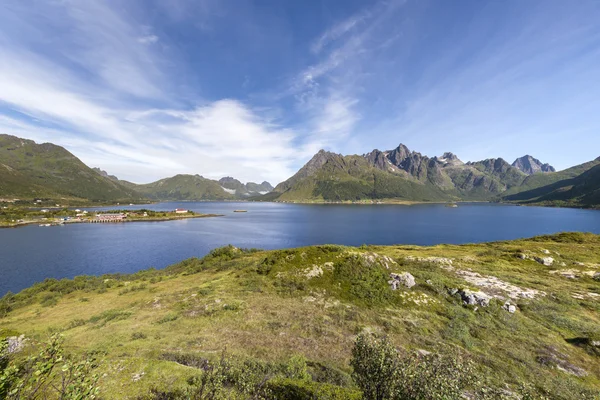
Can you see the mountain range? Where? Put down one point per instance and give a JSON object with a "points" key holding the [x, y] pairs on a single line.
{"points": [[46, 171], [195, 187], [29, 170], [407, 175]]}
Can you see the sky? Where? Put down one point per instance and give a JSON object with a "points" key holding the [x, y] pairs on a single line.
{"points": [[147, 89]]}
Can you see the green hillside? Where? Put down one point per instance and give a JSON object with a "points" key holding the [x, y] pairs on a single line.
{"points": [[581, 191], [332, 177], [540, 180], [249, 324], [184, 187], [29, 170]]}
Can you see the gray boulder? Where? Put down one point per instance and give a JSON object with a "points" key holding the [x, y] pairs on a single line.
{"points": [[15, 343], [547, 261], [401, 279], [509, 307], [474, 298]]}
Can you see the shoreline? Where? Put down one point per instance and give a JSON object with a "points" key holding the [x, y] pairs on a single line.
{"points": [[149, 219]]}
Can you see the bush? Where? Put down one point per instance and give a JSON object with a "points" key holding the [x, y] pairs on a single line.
{"points": [[167, 318], [48, 374], [376, 367], [366, 283], [434, 376], [138, 335], [381, 373], [302, 389]]}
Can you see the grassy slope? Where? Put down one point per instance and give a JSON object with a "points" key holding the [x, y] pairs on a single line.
{"points": [[262, 305], [582, 190], [184, 187], [29, 170]]}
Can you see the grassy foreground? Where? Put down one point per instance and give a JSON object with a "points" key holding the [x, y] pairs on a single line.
{"points": [[277, 310]]}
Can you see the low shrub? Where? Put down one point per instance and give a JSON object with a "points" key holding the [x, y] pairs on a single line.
{"points": [[302, 389], [362, 282], [167, 318]]}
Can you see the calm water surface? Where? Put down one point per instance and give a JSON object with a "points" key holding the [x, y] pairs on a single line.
{"points": [[32, 253]]}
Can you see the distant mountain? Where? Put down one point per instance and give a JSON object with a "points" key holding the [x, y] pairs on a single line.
{"points": [[29, 170], [237, 188], [400, 174], [196, 187], [577, 186], [408, 175], [333, 177], [185, 187], [530, 165]]}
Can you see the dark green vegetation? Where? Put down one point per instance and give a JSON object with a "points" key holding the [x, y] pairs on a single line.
{"points": [[308, 323], [568, 189], [402, 175], [46, 171], [47, 374]]}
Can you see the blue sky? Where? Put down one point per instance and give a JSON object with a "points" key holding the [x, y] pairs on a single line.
{"points": [[150, 88]]}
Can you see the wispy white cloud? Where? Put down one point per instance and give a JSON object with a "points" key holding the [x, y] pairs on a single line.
{"points": [[98, 121], [148, 39], [339, 30]]}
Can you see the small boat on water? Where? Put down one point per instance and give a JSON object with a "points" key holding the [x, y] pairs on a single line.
{"points": [[240, 210], [452, 205], [45, 224]]}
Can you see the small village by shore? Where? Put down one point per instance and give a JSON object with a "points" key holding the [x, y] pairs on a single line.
{"points": [[54, 217]]}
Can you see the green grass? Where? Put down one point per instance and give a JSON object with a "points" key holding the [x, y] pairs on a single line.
{"points": [[263, 309]]}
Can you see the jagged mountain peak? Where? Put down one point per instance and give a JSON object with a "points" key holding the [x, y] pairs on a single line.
{"points": [[105, 174], [229, 179], [449, 158], [531, 165]]}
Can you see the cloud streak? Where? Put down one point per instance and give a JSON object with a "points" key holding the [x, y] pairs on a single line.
{"points": [[147, 89]]}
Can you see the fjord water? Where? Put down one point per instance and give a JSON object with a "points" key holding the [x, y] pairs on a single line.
{"points": [[30, 254]]}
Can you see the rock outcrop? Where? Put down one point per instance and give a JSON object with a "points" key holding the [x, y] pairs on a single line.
{"points": [[402, 279], [472, 298]]}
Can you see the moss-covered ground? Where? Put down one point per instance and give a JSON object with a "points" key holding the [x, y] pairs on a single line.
{"points": [[273, 305]]}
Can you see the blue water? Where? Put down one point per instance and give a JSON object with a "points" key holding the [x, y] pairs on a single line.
{"points": [[30, 254]]}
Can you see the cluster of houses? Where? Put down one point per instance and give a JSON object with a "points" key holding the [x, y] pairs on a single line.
{"points": [[117, 217], [109, 217]]}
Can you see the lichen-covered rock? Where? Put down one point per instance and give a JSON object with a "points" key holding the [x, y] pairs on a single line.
{"points": [[547, 261], [401, 279], [374, 258], [474, 298], [15, 343], [314, 272]]}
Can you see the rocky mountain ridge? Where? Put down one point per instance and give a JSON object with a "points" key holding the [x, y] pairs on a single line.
{"points": [[393, 174]]}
